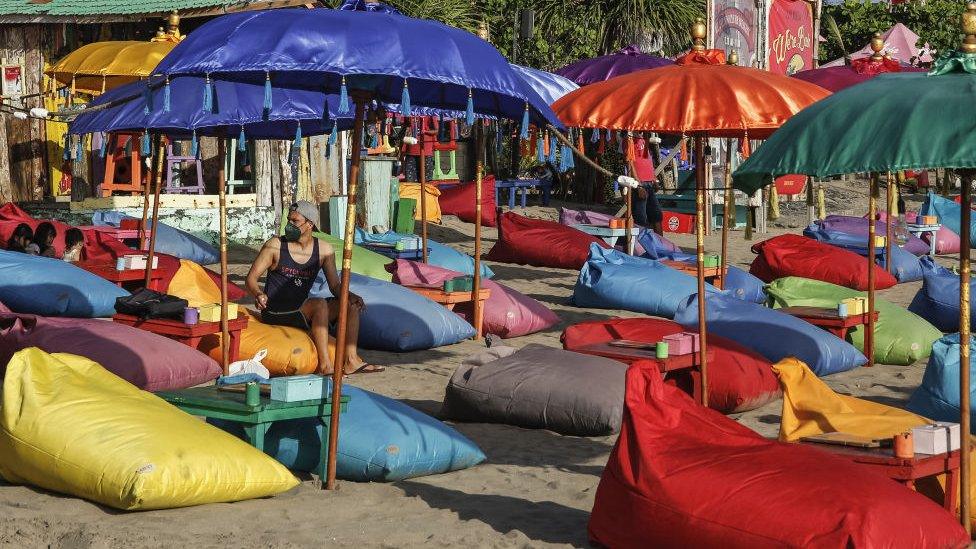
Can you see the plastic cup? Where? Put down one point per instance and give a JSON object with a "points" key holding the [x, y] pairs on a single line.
{"points": [[842, 310], [252, 394], [661, 349], [191, 316]]}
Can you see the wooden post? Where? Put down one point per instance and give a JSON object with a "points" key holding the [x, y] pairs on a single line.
{"points": [[338, 367], [889, 233], [700, 251], [629, 204], [964, 352], [478, 173], [811, 202], [422, 176], [222, 197], [869, 327], [155, 218], [147, 189], [728, 218]]}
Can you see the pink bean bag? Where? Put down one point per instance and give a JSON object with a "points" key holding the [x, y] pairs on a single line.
{"points": [[148, 361], [681, 475], [507, 313], [946, 241], [541, 243]]}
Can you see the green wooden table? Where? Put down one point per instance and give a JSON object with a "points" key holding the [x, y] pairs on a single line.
{"points": [[210, 402]]}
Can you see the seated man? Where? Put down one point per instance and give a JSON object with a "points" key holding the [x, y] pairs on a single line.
{"points": [[292, 262]]}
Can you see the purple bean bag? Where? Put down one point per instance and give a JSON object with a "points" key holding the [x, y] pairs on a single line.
{"points": [[575, 217], [858, 227], [507, 313], [148, 361]]}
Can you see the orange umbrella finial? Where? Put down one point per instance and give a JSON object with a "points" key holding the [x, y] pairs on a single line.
{"points": [[698, 33]]}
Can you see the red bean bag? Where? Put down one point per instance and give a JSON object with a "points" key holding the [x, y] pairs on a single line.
{"points": [[148, 361], [682, 475], [459, 200], [541, 243], [11, 216], [738, 379], [507, 313], [795, 255]]}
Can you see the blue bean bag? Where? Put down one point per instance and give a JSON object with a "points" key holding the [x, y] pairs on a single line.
{"points": [[614, 280], [439, 255], [743, 285], [949, 213], [656, 246], [51, 287], [938, 396], [169, 240], [380, 440], [938, 300], [904, 264], [399, 319], [772, 334]]}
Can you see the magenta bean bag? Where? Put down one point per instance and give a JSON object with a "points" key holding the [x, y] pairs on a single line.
{"points": [[507, 313], [148, 361]]}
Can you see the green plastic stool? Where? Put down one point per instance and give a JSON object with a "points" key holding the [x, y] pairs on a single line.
{"points": [[439, 173], [403, 215]]}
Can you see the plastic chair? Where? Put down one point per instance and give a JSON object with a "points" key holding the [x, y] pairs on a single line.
{"points": [[177, 161]]}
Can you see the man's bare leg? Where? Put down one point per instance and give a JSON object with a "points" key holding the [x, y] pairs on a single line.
{"points": [[354, 362], [316, 311]]}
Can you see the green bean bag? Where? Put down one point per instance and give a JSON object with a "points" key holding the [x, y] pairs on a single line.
{"points": [[900, 337], [364, 262]]}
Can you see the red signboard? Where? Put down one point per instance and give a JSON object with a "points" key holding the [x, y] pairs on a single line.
{"points": [[791, 39], [790, 184]]}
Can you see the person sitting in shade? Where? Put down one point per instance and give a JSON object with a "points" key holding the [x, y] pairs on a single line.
{"points": [[292, 262], [21, 238], [74, 241], [43, 242]]}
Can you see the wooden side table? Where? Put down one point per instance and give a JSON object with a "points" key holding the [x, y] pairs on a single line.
{"points": [[108, 271], [828, 319], [713, 275], [189, 334], [903, 470], [609, 235], [918, 230], [689, 363], [450, 299], [211, 402]]}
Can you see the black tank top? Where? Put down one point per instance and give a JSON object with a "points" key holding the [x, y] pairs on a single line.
{"points": [[288, 285]]}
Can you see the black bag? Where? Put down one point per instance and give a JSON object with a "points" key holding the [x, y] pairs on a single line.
{"points": [[146, 303]]}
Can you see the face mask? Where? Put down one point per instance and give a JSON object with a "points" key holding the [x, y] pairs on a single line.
{"points": [[292, 233]]}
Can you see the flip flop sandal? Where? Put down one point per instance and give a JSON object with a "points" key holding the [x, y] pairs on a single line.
{"points": [[367, 368]]}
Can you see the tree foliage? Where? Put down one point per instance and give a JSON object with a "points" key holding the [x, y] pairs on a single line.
{"points": [[935, 21]]}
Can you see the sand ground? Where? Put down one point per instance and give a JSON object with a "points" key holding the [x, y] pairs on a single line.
{"points": [[536, 488]]}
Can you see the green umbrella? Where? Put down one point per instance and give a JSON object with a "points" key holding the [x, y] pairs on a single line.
{"points": [[893, 122]]}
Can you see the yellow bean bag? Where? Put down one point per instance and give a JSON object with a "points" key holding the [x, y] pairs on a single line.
{"points": [[71, 426], [412, 190], [290, 351], [192, 283], [810, 407]]}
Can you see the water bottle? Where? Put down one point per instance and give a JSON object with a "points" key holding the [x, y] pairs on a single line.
{"points": [[901, 230]]}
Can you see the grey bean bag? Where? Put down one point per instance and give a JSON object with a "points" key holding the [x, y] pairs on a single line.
{"points": [[540, 387]]}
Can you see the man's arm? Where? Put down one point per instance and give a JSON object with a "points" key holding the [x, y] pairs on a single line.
{"points": [[265, 259]]}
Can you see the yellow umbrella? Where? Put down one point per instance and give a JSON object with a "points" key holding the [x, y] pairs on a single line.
{"points": [[101, 66]]}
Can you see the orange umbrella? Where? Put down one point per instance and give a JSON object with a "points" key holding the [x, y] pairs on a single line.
{"points": [[702, 97]]}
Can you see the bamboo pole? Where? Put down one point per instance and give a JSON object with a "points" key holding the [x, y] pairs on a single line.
{"points": [[727, 217], [964, 352], [338, 367], [629, 204], [423, 192], [700, 251], [222, 197], [869, 327], [479, 168], [889, 232], [147, 190], [155, 220]]}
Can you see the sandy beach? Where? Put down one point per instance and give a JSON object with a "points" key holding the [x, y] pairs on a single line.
{"points": [[536, 488]]}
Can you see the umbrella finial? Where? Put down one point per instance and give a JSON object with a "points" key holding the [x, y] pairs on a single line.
{"points": [[173, 22], [733, 58], [877, 44], [698, 32], [969, 29]]}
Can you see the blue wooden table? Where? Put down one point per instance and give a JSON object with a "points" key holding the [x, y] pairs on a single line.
{"points": [[522, 185]]}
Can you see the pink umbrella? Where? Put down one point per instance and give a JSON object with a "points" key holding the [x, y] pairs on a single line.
{"points": [[899, 44]]}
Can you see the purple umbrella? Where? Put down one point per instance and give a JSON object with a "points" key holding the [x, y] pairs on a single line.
{"points": [[623, 61]]}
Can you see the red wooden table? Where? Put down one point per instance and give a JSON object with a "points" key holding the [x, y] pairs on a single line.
{"points": [[713, 275], [828, 318], [689, 363], [107, 270], [450, 299], [904, 470], [189, 334]]}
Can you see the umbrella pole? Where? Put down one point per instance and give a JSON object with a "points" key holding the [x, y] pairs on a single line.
{"points": [[147, 190], [728, 206], [423, 192], [629, 201], [700, 248], [964, 335], [479, 167], [890, 196], [869, 328], [222, 200], [155, 218], [338, 366]]}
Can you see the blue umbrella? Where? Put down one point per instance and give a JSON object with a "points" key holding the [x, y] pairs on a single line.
{"points": [[549, 85], [395, 59]]}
